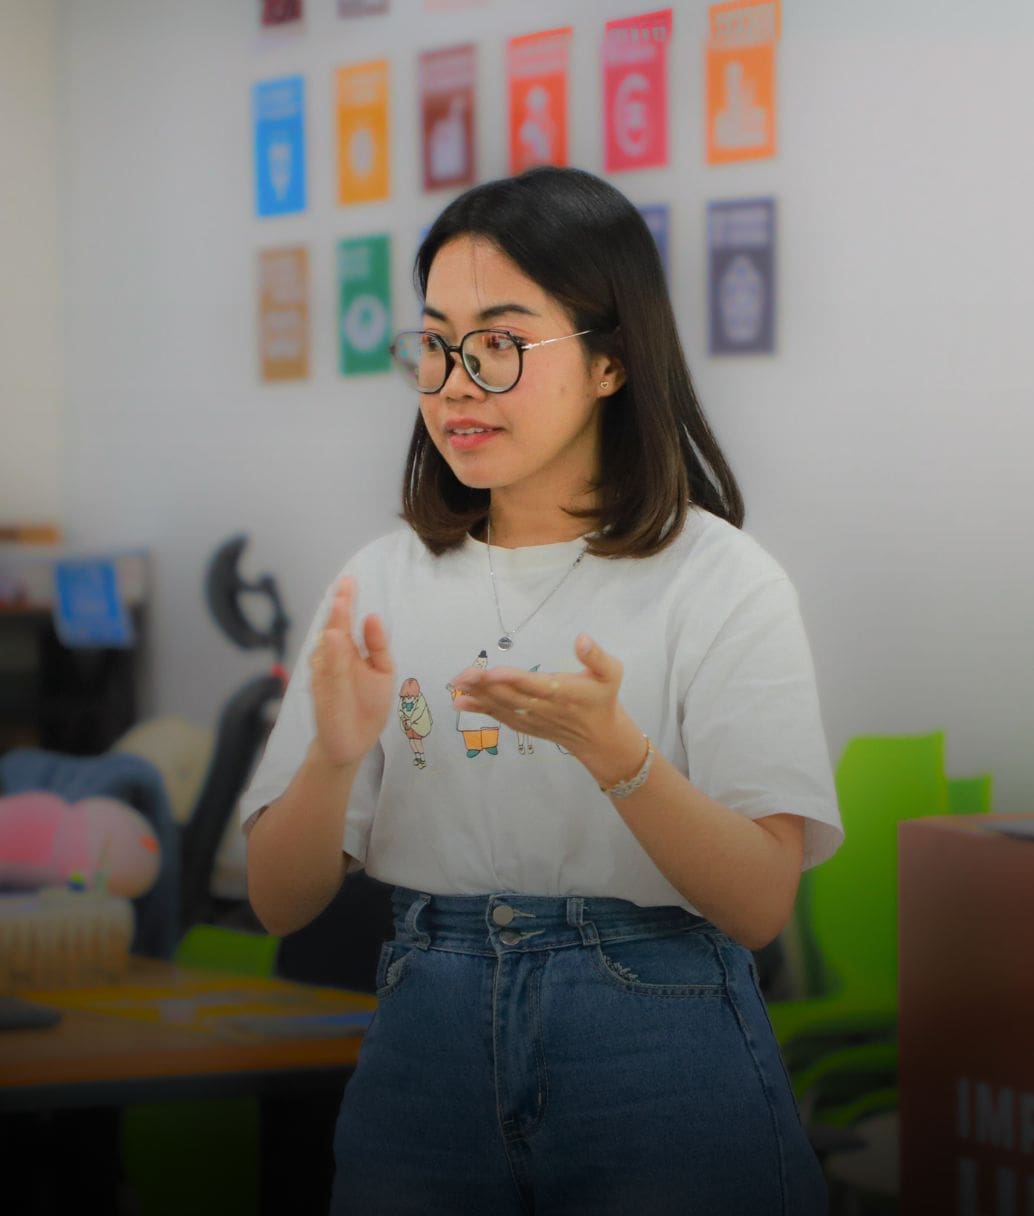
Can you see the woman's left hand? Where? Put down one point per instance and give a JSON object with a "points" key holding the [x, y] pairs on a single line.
{"points": [[580, 711]]}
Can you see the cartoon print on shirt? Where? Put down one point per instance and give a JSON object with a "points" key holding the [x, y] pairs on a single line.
{"points": [[524, 743], [414, 718], [480, 732]]}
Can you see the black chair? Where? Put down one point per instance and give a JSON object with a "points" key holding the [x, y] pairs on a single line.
{"points": [[342, 946], [243, 725]]}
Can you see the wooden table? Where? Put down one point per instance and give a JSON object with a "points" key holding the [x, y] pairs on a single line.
{"points": [[164, 1029], [165, 1032]]}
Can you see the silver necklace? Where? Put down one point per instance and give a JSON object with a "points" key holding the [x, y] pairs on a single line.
{"points": [[505, 641]]}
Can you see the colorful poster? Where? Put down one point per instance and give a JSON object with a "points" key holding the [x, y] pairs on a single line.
{"points": [[656, 216], [446, 80], [278, 114], [360, 8], [362, 132], [283, 313], [278, 12], [741, 276], [741, 101], [364, 293], [537, 68], [635, 91]]}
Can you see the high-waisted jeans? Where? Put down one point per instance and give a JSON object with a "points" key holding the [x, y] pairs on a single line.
{"points": [[568, 1057]]}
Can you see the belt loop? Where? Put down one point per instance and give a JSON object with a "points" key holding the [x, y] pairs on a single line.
{"points": [[576, 918], [418, 936]]}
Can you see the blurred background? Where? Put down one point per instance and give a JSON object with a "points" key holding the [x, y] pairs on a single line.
{"points": [[882, 445], [882, 448]]}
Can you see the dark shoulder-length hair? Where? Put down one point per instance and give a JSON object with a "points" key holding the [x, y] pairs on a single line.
{"points": [[586, 245]]}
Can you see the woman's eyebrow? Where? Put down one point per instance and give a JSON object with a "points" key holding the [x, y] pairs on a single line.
{"points": [[486, 314]]}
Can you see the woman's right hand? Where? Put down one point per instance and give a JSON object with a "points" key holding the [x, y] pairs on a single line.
{"points": [[351, 693]]}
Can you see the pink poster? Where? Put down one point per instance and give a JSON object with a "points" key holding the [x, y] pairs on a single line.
{"points": [[447, 116], [635, 91]]}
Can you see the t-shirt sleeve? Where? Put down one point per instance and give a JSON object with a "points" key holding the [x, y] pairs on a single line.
{"points": [[289, 740], [751, 723]]}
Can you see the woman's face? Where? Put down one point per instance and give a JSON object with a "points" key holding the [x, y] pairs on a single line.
{"points": [[539, 437]]}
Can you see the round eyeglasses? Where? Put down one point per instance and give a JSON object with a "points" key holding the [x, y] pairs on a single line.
{"points": [[493, 358]]}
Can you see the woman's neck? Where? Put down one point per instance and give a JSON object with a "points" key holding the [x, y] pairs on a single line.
{"points": [[536, 525]]}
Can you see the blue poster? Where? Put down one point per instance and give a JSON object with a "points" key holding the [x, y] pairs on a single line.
{"points": [[88, 610], [741, 276], [278, 111], [656, 216]]}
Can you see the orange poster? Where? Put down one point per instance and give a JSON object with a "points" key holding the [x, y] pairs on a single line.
{"points": [[284, 313], [362, 131], [537, 66], [741, 100]]}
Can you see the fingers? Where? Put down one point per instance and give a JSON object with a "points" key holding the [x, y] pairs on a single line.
{"points": [[375, 638], [340, 615], [500, 687], [596, 660], [336, 647]]}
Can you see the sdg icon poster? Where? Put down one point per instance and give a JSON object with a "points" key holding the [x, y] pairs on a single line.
{"points": [[657, 217], [364, 316], [741, 276], [278, 112], [635, 91]]}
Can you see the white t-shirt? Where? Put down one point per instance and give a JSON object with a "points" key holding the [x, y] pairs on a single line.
{"points": [[717, 672]]}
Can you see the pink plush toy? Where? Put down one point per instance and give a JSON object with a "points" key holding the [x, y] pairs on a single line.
{"points": [[99, 842]]}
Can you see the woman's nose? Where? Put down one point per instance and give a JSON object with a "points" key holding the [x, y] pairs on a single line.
{"points": [[465, 382]]}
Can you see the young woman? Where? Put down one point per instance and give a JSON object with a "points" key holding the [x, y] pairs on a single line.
{"points": [[569, 1018]]}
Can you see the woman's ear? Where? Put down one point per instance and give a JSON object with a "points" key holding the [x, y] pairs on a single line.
{"points": [[609, 374]]}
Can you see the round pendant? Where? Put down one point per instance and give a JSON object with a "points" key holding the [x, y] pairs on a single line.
{"points": [[505, 642]]}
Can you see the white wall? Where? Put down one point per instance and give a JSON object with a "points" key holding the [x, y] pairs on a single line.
{"points": [[881, 451], [30, 339]]}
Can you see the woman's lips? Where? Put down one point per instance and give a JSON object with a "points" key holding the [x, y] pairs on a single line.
{"points": [[467, 437]]}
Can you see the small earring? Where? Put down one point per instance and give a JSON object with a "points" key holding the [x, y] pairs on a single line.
{"points": [[604, 384]]}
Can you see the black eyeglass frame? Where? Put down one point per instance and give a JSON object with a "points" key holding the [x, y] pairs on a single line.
{"points": [[450, 353]]}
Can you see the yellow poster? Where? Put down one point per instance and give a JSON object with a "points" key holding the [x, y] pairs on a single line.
{"points": [[362, 131], [741, 100], [284, 313]]}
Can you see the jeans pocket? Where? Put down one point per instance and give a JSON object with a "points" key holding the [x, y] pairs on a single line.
{"points": [[680, 964], [392, 967]]}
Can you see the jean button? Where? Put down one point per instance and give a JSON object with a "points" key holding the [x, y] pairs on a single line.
{"points": [[509, 938], [503, 914]]}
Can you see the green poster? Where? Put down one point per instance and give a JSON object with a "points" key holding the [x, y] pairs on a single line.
{"points": [[365, 304]]}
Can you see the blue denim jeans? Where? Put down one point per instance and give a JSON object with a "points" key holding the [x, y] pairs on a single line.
{"points": [[568, 1057]]}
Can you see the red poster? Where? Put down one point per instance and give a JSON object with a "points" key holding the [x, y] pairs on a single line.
{"points": [[635, 91], [447, 116], [278, 12], [538, 99]]}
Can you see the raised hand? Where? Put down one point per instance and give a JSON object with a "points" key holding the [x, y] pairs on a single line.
{"points": [[580, 711], [351, 692]]}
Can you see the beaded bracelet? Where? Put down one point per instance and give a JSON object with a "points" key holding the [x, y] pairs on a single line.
{"points": [[623, 788]]}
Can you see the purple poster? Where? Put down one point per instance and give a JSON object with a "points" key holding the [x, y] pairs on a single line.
{"points": [[741, 276], [656, 216]]}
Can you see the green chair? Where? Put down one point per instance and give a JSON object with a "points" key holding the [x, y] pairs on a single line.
{"points": [[847, 907], [860, 1080], [213, 948], [200, 1157], [969, 795]]}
